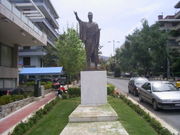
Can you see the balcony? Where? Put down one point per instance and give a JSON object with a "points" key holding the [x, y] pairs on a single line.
{"points": [[177, 15], [32, 52], [51, 42], [24, 7], [178, 39], [45, 25], [48, 13], [37, 13], [177, 27], [168, 20], [50, 28], [24, 31]]}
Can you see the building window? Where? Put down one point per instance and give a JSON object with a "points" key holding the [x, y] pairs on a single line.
{"points": [[26, 61], [5, 56], [7, 83], [1, 83], [26, 47]]}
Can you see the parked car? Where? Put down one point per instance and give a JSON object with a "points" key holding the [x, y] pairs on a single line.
{"points": [[46, 80], [11, 91], [31, 80], [135, 83], [178, 83], [161, 94]]}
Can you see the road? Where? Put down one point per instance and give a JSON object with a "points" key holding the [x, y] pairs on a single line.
{"points": [[172, 117]]}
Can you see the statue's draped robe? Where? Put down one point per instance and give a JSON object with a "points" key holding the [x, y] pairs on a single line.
{"points": [[89, 34]]}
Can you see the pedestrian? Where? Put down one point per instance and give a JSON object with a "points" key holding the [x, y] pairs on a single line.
{"points": [[59, 93]]}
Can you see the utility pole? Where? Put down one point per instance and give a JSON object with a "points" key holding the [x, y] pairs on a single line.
{"points": [[168, 62], [114, 42]]}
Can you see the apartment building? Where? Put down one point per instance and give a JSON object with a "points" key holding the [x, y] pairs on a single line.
{"points": [[171, 23], [15, 30], [44, 16]]}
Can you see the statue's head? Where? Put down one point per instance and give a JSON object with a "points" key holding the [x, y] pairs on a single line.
{"points": [[90, 16]]}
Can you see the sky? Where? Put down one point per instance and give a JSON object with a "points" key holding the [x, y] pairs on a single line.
{"points": [[116, 18]]}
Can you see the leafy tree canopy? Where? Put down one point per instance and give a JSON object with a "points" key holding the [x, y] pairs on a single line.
{"points": [[71, 52]]}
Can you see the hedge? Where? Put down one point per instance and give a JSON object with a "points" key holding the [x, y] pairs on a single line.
{"points": [[152, 121], [74, 92], [23, 127], [10, 98], [110, 89], [47, 85]]}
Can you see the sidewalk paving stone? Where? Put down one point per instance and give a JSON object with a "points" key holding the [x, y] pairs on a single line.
{"points": [[95, 128]]}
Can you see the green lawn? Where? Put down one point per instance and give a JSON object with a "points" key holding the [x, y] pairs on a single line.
{"points": [[54, 122], [132, 122]]}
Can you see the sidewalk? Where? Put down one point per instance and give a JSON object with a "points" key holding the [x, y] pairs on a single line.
{"points": [[8, 123]]}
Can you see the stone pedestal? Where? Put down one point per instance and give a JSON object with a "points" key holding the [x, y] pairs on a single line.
{"points": [[98, 113], [93, 87], [94, 116]]}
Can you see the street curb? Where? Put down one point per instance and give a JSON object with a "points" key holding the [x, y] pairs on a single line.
{"points": [[163, 123]]}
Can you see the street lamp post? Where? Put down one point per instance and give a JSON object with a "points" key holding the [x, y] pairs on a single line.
{"points": [[168, 62], [114, 42]]}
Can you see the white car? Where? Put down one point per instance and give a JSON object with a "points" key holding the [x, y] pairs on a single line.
{"points": [[161, 94]]}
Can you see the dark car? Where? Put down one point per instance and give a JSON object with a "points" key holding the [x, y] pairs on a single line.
{"points": [[46, 80], [134, 83], [11, 91], [161, 94]]}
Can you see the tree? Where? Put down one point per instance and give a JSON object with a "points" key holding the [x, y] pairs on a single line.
{"points": [[51, 58], [71, 53], [175, 61], [144, 51]]}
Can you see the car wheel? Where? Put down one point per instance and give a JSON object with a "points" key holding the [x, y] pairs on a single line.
{"points": [[134, 93], [140, 98], [155, 106], [129, 91]]}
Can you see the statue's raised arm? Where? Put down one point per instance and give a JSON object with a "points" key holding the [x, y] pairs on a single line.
{"points": [[77, 18], [89, 33]]}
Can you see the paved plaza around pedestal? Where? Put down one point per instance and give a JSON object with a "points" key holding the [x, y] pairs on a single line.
{"points": [[95, 128]]}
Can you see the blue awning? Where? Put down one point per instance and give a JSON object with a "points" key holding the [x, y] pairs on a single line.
{"points": [[41, 71]]}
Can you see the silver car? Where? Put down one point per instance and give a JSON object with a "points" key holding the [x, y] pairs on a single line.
{"points": [[161, 94]]}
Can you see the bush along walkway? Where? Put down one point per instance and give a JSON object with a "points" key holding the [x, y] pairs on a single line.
{"points": [[156, 125], [135, 120], [23, 127], [55, 121], [8, 123]]}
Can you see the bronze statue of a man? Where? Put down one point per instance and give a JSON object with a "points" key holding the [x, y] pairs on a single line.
{"points": [[89, 34]]}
